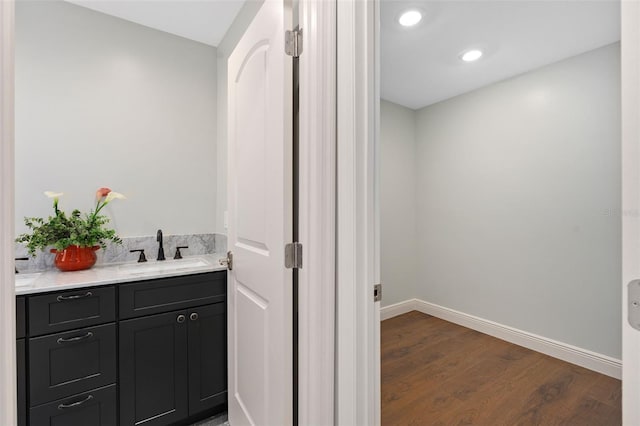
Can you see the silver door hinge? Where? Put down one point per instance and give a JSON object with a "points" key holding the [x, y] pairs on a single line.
{"points": [[228, 262], [293, 43], [293, 255], [377, 292]]}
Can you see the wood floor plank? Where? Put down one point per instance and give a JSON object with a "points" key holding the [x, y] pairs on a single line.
{"points": [[438, 373]]}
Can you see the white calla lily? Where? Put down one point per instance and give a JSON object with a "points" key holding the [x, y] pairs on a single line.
{"points": [[52, 194], [114, 195]]}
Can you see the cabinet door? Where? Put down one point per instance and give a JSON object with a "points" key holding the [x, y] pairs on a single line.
{"points": [[207, 357], [153, 369], [94, 408]]}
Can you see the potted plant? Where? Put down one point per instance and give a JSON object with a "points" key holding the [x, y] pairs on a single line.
{"points": [[75, 237]]}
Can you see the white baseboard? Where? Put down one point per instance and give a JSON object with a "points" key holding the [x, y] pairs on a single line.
{"points": [[398, 309], [584, 358]]}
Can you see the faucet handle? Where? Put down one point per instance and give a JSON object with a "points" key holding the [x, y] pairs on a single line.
{"points": [[142, 257], [178, 254]]}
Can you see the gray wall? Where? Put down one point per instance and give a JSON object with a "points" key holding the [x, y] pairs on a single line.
{"points": [[398, 226], [101, 101], [518, 198]]}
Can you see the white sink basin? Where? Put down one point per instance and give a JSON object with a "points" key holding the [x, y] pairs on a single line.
{"points": [[154, 266], [22, 280]]}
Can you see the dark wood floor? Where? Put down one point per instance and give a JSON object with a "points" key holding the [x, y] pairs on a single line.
{"points": [[438, 373]]}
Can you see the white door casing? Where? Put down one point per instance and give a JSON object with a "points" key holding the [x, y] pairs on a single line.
{"points": [[357, 400], [630, 45], [260, 222], [316, 280], [7, 224]]}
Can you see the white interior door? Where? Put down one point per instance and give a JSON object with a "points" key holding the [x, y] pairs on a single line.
{"points": [[260, 222], [630, 205]]}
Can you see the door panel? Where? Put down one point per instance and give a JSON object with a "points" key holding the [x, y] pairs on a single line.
{"points": [[260, 222], [207, 357], [153, 362]]}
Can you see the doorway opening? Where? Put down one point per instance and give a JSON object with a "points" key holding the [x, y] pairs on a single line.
{"points": [[500, 211]]}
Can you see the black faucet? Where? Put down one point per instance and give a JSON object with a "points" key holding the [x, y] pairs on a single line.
{"points": [[19, 258], [160, 248]]}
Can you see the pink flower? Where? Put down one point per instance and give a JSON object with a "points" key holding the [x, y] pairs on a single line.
{"points": [[102, 192]]}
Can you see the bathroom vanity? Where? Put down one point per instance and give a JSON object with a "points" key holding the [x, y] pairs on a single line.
{"points": [[148, 349]]}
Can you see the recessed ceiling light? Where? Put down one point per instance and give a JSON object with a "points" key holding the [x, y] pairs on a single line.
{"points": [[471, 55], [410, 18]]}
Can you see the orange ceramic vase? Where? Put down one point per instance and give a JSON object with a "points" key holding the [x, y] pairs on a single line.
{"points": [[75, 258]]}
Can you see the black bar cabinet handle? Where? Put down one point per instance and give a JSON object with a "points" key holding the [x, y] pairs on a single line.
{"points": [[75, 404], [75, 296], [75, 339]]}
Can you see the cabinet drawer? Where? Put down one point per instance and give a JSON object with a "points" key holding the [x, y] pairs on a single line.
{"points": [[170, 294], [51, 313], [94, 408], [68, 363], [21, 318]]}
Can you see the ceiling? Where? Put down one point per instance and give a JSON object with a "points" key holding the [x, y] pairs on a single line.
{"points": [[421, 66], [206, 21]]}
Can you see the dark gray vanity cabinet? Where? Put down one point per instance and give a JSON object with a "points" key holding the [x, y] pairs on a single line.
{"points": [[149, 352], [172, 364]]}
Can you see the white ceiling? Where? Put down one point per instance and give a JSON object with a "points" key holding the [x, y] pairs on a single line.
{"points": [[205, 21], [420, 65]]}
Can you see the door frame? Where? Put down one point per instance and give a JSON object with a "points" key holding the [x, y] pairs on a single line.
{"points": [[8, 399], [317, 212], [630, 212], [357, 396]]}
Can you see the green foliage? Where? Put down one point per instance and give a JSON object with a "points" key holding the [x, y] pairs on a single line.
{"points": [[61, 231]]}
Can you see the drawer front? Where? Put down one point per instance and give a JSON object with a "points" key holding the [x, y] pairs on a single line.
{"points": [[170, 294], [94, 408], [51, 313], [68, 363], [21, 318]]}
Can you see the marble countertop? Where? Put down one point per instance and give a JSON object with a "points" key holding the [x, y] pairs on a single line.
{"points": [[54, 280]]}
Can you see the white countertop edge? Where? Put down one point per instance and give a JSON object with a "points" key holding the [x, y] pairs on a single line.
{"points": [[54, 280]]}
